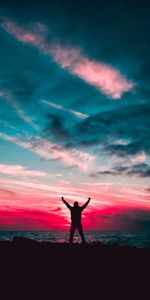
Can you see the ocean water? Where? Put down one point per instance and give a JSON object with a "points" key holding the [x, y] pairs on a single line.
{"points": [[136, 239]]}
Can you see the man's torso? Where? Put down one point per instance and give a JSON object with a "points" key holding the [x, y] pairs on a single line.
{"points": [[76, 214]]}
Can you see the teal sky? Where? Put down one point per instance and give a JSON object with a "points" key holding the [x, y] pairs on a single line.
{"points": [[74, 117]]}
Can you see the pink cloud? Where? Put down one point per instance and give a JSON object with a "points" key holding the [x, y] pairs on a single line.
{"points": [[102, 76], [46, 195], [23, 35], [17, 170], [139, 158], [50, 151], [72, 157], [105, 78]]}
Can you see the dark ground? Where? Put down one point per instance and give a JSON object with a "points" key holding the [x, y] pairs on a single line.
{"points": [[30, 269]]}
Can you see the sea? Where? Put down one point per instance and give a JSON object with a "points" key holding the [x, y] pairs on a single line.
{"points": [[134, 239]]}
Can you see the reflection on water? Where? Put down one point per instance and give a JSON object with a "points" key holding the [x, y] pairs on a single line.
{"points": [[138, 239]]}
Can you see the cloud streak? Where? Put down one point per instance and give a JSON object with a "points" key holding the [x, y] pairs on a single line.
{"points": [[20, 112], [138, 170], [17, 170], [52, 151], [71, 111], [32, 37], [105, 78]]}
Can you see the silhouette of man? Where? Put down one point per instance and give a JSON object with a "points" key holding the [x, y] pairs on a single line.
{"points": [[76, 214]]}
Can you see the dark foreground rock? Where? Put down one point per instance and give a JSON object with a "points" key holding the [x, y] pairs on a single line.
{"points": [[31, 269]]}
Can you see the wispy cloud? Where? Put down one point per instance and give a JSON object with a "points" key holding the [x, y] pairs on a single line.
{"points": [[17, 170], [101, 196], [20, 112], [136, 169], [72, 157], [138, 158], [71, 111], [6, 192], [6, 124], [51, 151], [105, 78], [102, 76], [33, 36]]}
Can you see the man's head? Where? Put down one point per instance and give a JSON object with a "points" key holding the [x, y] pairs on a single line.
{"points": [[76, 204]]}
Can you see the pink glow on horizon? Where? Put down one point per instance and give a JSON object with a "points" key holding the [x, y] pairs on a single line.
{"points": [[28, 219], [105, 218], [21, 198], [107, 195]]}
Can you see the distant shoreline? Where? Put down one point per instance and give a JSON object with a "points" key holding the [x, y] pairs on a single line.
{"points": [[133, 239]]}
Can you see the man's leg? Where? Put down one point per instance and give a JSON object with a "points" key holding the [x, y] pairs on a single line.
{"points": [[72, 230], [79, 227]]}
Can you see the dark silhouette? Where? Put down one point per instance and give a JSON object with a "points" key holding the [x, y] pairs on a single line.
{"points": [[42, 268], [76, 214]]}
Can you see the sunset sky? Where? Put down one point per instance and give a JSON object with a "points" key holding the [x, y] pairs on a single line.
{"points": [[74, 114]]}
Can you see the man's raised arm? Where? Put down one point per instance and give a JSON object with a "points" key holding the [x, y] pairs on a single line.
{"points": [[66, 203], [85, 204]]}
